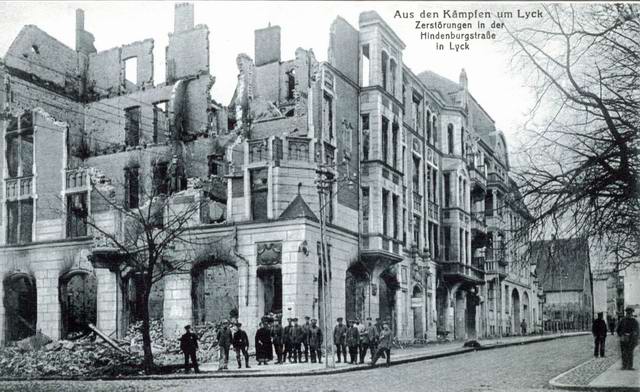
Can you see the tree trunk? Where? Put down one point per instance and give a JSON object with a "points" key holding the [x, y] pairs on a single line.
{"points": [[146, 336]]}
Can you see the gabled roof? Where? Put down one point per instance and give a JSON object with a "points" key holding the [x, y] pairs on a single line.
{"points": [[298, 209], [562, 257]]}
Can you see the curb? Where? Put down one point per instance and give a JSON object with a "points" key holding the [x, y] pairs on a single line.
{"points": [[250, 374], [574, 387]]}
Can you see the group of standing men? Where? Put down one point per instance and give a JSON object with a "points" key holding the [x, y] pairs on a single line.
{"points": [[292, 341], [628, 331], [360, 338]]}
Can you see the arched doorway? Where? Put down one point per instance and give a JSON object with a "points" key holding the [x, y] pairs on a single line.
{"points": [[515, 310], [21, 306], [214, 292], [78, 295], [356, 291], [388, 283], [417, 306], [526, 310], [470, 315], [442, 309]]}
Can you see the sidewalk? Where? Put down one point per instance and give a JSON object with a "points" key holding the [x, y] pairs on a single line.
{"points": [[411, 354], [601, 374]]}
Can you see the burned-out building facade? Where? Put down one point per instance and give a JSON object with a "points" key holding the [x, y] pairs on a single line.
{"points": [[418, 213]]}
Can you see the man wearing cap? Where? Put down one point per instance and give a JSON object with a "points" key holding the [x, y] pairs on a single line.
{"points": [[628, 332], [339, 339], [315, 341], [224, 343], [305, 338], [189, 345], [286, 355], [599, 330], [277, 337], [353, 341], [241, 345], [367, 335], [384, 345], [297, 336]]}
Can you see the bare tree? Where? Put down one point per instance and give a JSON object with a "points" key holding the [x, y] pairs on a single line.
{"points": [[579, 174], [151, 239]]}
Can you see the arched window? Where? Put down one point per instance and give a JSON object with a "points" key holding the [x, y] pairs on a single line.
{"points": [[384, 61]]}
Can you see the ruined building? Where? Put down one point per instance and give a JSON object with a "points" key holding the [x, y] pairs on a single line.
{"points": [[418, 217]]}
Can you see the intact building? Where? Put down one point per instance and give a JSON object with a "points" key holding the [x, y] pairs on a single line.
{"points": [[417, 220]]}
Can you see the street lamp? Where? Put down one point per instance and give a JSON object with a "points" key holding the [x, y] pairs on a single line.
{"points": [[325, 180]]}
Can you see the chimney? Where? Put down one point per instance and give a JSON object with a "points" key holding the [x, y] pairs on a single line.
{"points": [[84, 39], [267, 45], [183, 17]]}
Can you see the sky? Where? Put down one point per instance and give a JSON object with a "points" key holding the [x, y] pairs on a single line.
{"points": [[304, 24]]}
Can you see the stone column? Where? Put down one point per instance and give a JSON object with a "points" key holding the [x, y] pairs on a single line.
{"points": [[178, 306], [107, 295], [48, 309]]}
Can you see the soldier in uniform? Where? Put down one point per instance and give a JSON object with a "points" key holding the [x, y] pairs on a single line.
{"points": [[241, 346], [353, 341], [315, 342], [599, 330], [297, 335], [366, 337], [189, 345], [384, 345], [628, 332], [286, 355], [305, 338], [277, 336], [339, 339]]}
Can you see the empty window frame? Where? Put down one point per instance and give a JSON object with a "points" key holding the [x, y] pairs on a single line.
{"points": [[76, 215], [132, 125], [131, 70], [366, 66], [365, 137], [132, 187]]}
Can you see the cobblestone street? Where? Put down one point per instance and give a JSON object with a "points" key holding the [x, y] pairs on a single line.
{"points": [[521, 368]]}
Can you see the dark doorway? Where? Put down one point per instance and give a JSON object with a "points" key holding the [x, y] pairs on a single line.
{"points": [[20, 303], [78, 301], [271, 282], [356, 291]]}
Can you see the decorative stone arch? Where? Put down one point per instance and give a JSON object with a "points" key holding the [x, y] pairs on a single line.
{"points": [[21, 305], [418, 309], [388, 285], [214, 285], [357, 282], [515, 310], [526, 311], [77, 290]]}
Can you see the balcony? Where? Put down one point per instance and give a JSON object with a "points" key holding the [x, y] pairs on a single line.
{"points": [[258, 150], [76, 179], [496, 180], [478, 181], [298, 149], [478, 221], [459, 272], [496, 254], [20, 187], [494, 268]]}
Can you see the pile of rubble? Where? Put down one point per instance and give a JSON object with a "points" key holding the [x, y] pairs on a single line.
{"points": [[90, 356], [38, 357]]}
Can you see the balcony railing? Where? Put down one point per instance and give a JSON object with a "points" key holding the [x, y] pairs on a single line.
{"points": [[495, 254], [462, 270], [492, 267], [76, 178], [258, 150], [19, 187], [298, 149]]}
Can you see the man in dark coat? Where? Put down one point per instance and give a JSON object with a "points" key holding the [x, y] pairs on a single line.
{"points": [[241, 346], [315, 342], [353, 341], [366, 339], [277, 337], [628, 332], [264, 351], [224, 338], [523, 327], [612, 325], [297, 335], [287, 341], [384, 345], [339, 339], [189, 345], [305, 338], [599, 330]]}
